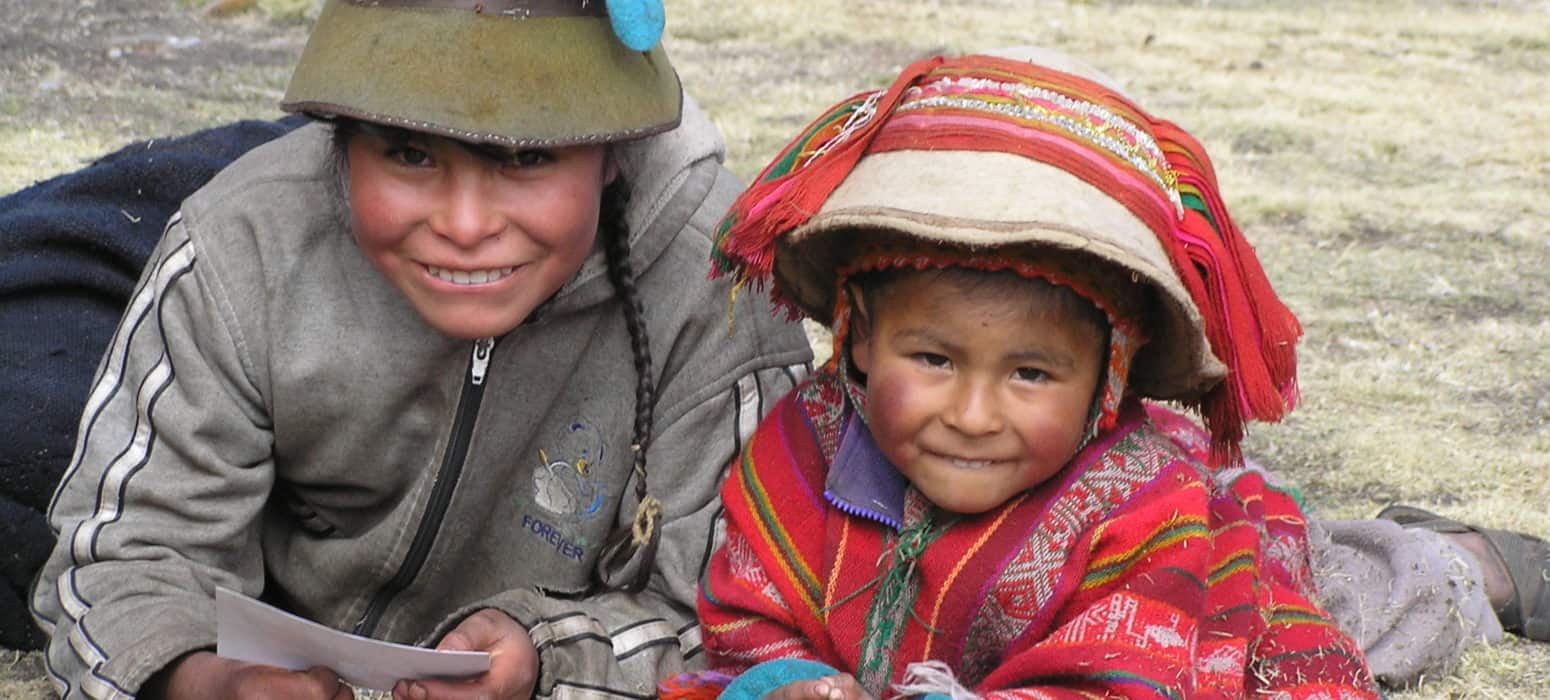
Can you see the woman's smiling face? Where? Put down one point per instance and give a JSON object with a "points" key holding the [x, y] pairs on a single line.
{"points": [[973, 393], [474, 242]]}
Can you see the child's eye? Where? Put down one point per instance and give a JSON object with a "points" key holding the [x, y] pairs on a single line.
{"points": [[931, 359], [530, 157], [1029, 374], [410, 156]]}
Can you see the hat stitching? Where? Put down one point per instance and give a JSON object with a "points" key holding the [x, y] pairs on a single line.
{"points": [[516, 9]]}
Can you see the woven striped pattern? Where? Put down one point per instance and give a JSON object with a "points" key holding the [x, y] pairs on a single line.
{"points": [[1154, 168], [1135, 573]]}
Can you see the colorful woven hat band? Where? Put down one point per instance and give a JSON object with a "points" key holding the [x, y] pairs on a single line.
{"points": [[1155, 169], [1094, 284]]}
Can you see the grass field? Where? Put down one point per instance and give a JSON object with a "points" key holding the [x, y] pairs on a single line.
{"points": [[1390, 160]]}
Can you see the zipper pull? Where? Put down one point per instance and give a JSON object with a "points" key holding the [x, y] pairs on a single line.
{"points": [[482, 349]]}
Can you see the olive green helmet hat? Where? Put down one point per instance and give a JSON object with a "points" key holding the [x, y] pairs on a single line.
{"points": [[516, 73]]}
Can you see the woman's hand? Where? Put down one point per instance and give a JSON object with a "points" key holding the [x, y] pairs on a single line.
{"points": [[840, 687], [513, 662], [202, 674]]}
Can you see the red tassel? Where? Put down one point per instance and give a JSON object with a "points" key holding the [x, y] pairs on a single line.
{"points": [[769, 209], [1280, 326], [1248, 326]]}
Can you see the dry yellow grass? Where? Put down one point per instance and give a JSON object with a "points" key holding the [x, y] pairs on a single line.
{"points": [[1390, 159]]}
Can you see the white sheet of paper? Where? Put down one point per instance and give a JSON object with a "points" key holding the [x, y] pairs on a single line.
{"points": [[254, 631]]}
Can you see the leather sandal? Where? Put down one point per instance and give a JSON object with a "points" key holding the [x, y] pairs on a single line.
{"points": [[1527, 557]]}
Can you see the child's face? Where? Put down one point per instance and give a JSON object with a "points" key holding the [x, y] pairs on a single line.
{"points": [[973, 394], [474, 244]]}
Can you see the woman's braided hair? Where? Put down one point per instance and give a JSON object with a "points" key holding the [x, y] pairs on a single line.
{"points": [[644, 532], [616, 242]]}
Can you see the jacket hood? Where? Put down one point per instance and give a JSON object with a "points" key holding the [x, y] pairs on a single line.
{"points": [[670, 175]]}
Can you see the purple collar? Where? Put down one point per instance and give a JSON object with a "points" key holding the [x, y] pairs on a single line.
{"points": [[862, 482]]}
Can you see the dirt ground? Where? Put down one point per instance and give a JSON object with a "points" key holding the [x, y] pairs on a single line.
{"points": [[1389, 158], [80, 78]]}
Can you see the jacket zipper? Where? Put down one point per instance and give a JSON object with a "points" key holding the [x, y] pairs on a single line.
{"points": [[441, 492]]}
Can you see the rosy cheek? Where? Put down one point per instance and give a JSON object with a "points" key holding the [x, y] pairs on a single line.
{"points": [[365, 195], [1057, 443], [374, 214], [369, 232], [889, 401], [578, 216]]}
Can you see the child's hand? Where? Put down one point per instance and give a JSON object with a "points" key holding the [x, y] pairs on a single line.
{"points": [[513, 662], [202, 674], [839, 687]]}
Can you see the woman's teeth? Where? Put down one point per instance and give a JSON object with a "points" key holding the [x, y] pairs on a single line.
{"points": [[469, 276]]}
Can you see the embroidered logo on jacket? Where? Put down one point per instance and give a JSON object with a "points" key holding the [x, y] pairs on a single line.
{"points": [[566, 490]]}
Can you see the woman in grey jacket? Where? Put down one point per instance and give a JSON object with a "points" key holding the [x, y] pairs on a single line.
{"points": [[378, 372]]}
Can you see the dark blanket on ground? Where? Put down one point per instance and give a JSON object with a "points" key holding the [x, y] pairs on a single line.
{"points": [[71, 250]]}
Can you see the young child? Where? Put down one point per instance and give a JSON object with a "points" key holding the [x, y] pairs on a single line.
{"points": [[972, 499], [380, 372]]}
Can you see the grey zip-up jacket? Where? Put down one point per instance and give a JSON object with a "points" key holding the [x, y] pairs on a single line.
{"points": [[274, 417]]}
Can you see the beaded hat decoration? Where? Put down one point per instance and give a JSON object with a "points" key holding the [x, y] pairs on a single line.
{"points": [[986, 152]]}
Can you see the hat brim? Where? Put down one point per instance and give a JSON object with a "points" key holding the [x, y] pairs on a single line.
{"points": [[977, 199], [484, 78]]}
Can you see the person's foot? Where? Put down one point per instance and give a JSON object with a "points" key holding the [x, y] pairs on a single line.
{"points": [[1516, 567], [1497, 580]]}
